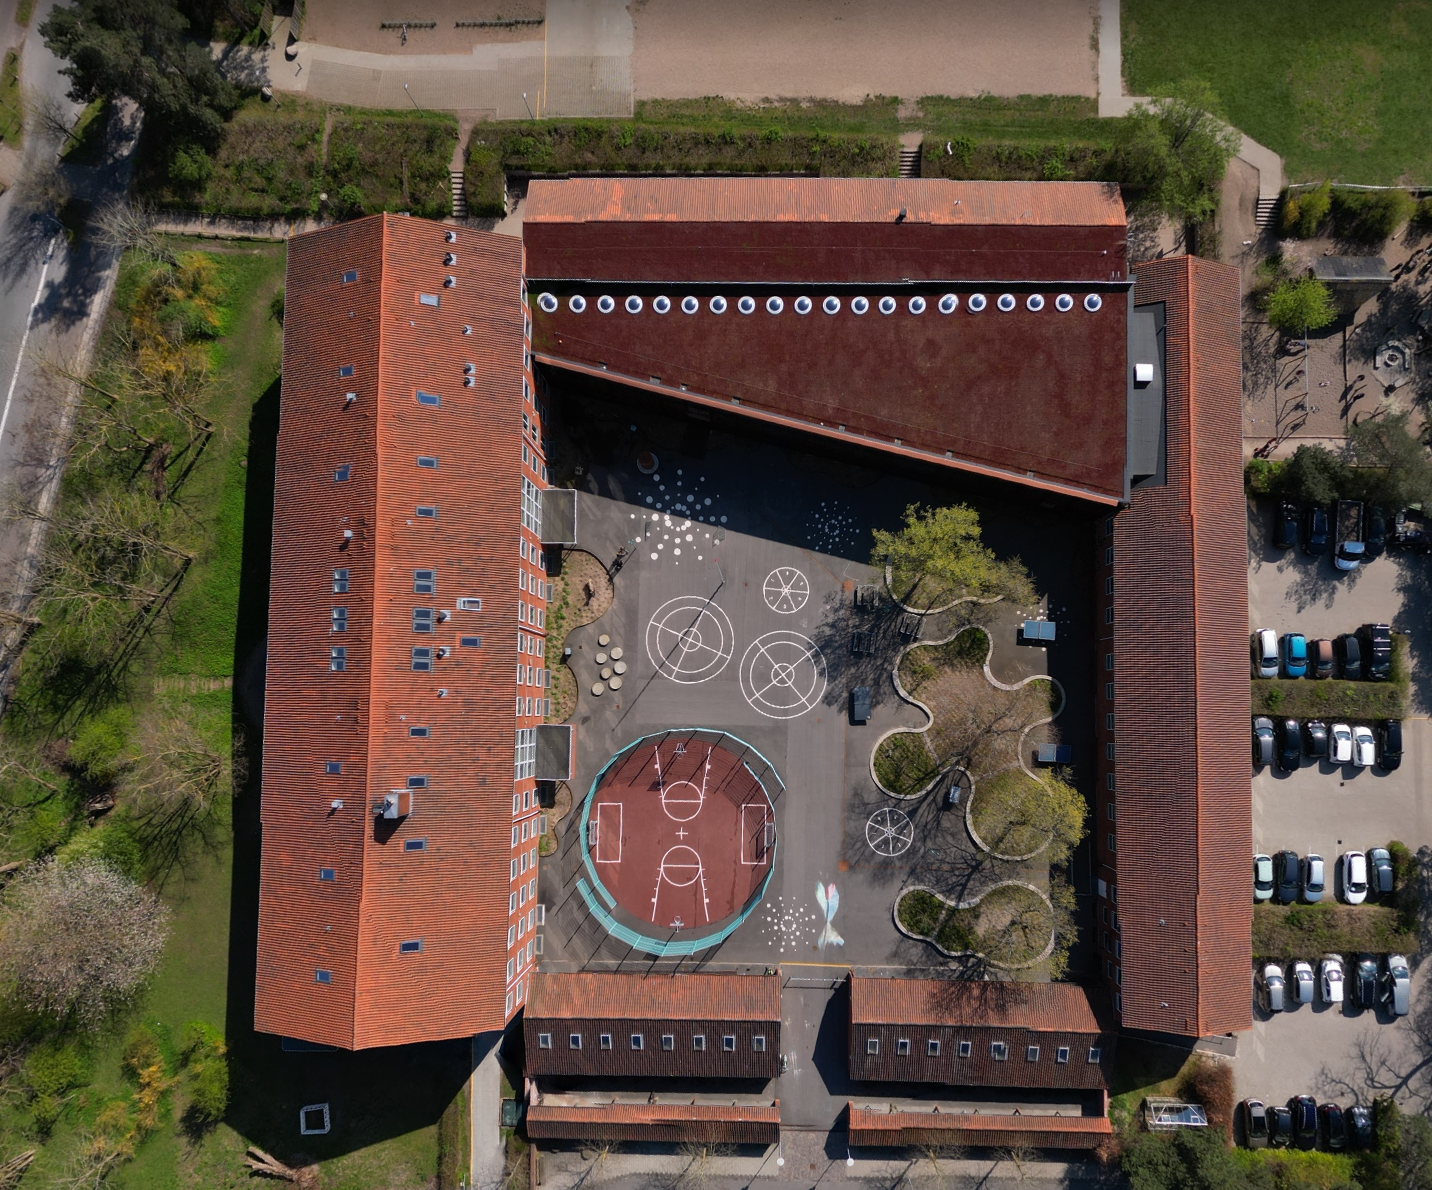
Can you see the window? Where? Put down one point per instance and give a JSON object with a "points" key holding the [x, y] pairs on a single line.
{"points": [[337, 659], [431, 399], [333, 768], [429, 299], [467, 604], [902, 1047], [932, 1048], [1109, 661], [698, 1041], [516, 837], [425, 582], [422, 619], [428, 511], [415, 844], [469, 642], [419, 733], [417, 782], [428, 462], [1062, 1054], [412, 946], [327, 874], [350, 276], [758, 1043], [998, 1050], [1109, 781], [965, 1049], [1108, 615], [1110, 838], [1109, 691], [544, 1041], [1109, 585], [1031, 1053], [636, 1041], [422, 660], [1109, 556], [872, 1045], [321, 976], [1095, 1054], [1108, 526], [526, 758], [1109, 721], [341, 475], [1108, 751], [537, 942], [574, 1041], [345, 371], [339, 619], [605, 1041], [531, 506], [728, 1043], [511, 936], [668, 1042], [340, 582], [1109, 811]]}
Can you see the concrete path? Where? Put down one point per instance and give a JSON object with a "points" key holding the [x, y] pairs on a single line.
{"points": [[485, 1100]]}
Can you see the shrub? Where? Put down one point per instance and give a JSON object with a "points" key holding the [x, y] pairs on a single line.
{"points": [[111, 842], [1210, 1083], [1406, 885], [1300, 304], [903, 763], [1306, 211], [1369, 216], [348, 202], [1314, 475], [1283, 932], [1261, 476], [276, 307], [97, 750], [1422, 215], [190, 167]]}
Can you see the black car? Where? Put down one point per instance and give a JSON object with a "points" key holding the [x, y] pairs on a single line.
{"points": [[1315, 739], [1290, 745], [1374, 533], [1315, 542], [1376, 641], [1280, 1127], [1350, 657], [1364, 982], [1334, 1125], [1389, 744], [1288, 873], [1305, 1120], [1285, 526], [860, 704], [1359, 1127]]}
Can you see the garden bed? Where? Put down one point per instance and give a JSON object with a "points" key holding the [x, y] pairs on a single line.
{"points": [[1285, 932], [1010, 926], [1000, 814], [379, 161], [904, 764]]}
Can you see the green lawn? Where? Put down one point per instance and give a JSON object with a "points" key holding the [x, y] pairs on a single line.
{"points": [[1338, 88], [12, 118]]}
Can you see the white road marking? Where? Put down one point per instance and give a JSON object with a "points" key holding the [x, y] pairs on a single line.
{"points": [[25, 338]]}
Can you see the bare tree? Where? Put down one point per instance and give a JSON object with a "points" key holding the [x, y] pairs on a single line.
{"points": [[52, 114], [79, 939], [174, 783], [124, 225]]}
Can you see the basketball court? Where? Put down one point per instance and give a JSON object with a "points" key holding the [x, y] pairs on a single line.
{"points": [[680, 833]]}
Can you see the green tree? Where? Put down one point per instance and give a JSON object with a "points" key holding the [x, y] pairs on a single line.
{"points": [[938, 557], [1391, 463], [1175, 150], [1314, 475], [1300, 304], [1196, 1159]]}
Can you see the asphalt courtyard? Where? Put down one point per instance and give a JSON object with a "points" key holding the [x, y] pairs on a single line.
{"points": [[1327, 1051]]}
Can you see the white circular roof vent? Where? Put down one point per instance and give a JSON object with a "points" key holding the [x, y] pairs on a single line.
{"points": [[633, 304], [576, 303], [774, 305], [887, 305], [548, 302], [662, 304], [949, 304], [746, 304], [916, 305], [1006, 302], [976, 303], [1034, 302], [689, 305], [1064, 303], [605, 304], [831, 305], [1092, 302], [803, 305], [717, 304], [859, 305]]}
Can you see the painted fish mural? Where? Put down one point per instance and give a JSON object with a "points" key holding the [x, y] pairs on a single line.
{"points": [[829, 901]]}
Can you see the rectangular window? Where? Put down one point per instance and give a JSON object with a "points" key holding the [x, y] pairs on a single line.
{"points": [[758, 1044], [467, 604], [469, 642], [544, 1041], [515, 836], [998, 1051], [605, 1041], [1062, 1054], [932, 1048], [321, 976], [574, 1041], [417, 782], [350, 276], [415, 844], [425, 582], [1110, 838], [537, 943], [419, 733], [340, 582], [872, 1045], [431, 399], [1031, 1053], [526, 760], [1095, 1055], [1108, 615], [428, 511], [511, 936], [636, 1041], [728, 1043], [1109, 585], [339, 619], [1109, 721], [1109, 527], [428, 462], [1108, 751], [1109, 781], [412, 946], [333, 768], [1109, 661], [1109, 811], [531, 506], [965, 1048], [429, 299], [1109, 556], [327, 874], [422, 619], [342, 473], [345, 371], [902, 1047], [668, 1042], [698, 1041], [337, 659], [1109, 691], [422, 660]]}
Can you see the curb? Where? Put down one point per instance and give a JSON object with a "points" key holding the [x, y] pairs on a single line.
{"points": [[960, 954]]}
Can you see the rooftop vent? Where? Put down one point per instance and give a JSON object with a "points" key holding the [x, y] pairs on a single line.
{"points": [[633, 304], [916, 305], [467, 330], [1092, 302], [662, 304], [449, 281], [606, 304], [774, 305], [976, 303], [949, 304], [803, 305], [859, 305], [449, 258], [469, 369], [831, 305], [547, 302], [887, 305], [1006, 302], [349, 398], [689, 305], [397, 804], [1143, 373], [747, 304], [717, 305], [576, 303], [450, 237], [1034, 302], [469, 382], [1064, 303]]}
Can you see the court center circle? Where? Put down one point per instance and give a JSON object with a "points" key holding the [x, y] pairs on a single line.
{"points": [[783, 674], [689, 639], [786, 590], [682, 800]]}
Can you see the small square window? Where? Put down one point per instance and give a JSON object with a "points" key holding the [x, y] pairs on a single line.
{"points": [[636, 1041], [327, 874], [432, 399], [412, 946], [758, 1043], [428, 462], [428, 511], [333, 768], [544, 1041], [422, 660], [698, 1041], [428, 299], [340, 581], [321, 976], [966, 1048], [998, 1051], [342, 473], [350, 276], [932, 1048], [419, 733], [345, 371], [728, 1043], [1095, 1054], [422, 619], [1031, 1053], [668, 1042], [417, 782], [605, 1041], [337, 659], [469, 642], [1062, 1054], [425, 582], [574, 1041], [415, 844], [902, 1047], [339, 619], [872, 1045]]}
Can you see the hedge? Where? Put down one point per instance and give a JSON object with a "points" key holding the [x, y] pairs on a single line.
{"points": [[1334, 699], [1286, 932]]}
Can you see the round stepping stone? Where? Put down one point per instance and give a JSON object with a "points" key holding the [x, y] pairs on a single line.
{"points": [[617, 654], [615, 683], [606, 671], [604, 640], [619, 666], [601, 658], [598, 688]]}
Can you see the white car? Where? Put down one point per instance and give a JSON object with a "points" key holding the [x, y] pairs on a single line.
{"points": [[1354, 877], [1340, 745], [1364, 748], [1331, 974], [1265, 653], [1302, 982]]}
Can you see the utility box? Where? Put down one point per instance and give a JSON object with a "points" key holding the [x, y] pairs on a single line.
{"points": [[393, 805], [559, 516]]}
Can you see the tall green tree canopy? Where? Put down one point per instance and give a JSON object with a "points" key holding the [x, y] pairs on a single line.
{"points": [[1300, 304], [1314, 475], [938, 556], [139, 49], [1175, 150], [1391, 464]]}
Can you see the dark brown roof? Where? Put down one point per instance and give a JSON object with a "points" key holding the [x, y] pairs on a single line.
{"points": [[592, 995], [877, 1127], [1056, 1007], [1180, 558], [656, 1122]]}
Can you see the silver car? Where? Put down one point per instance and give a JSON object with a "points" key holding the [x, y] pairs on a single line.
{"points": [[1354, 877], [1314, 878], [1302, 982], [1265, 653], [1331, 971], [1397, 985], [1271, 988]]}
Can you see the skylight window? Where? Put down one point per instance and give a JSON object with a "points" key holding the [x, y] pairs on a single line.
{"points": [[949, 304], [803, 305], [717, 305], [1006, 302], [431, 399], [548, 302], [333, 768], [340, 581], [428, 462], [662, 304], [774, 305], [429, 299], [859, 305], [469, 642], [1064, 303], [887, 305], [422, 660], [321, 976], [633, 304], [345, 371], [422, 619], [419, 733], [337, 659], [429, 511], [576, 303], [689, 305], [415, 844], [417, 782], [831, 305], [350, 276], [605, 304], [412, 946], [340, 619], [976, 303], [327, 875], [425, 581], [342, 473], [1093, 302]]}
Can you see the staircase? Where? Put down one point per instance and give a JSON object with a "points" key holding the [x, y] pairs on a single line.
{"points": [[1267, 208], [910, 161], [459, 194]]}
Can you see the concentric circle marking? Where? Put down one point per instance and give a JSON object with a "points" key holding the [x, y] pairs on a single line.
{"points": [[786, 590], [889, 832], [783, 674], [689, 639]]}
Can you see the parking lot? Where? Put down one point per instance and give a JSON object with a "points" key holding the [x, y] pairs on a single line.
{"points": [[1336, 1052]]}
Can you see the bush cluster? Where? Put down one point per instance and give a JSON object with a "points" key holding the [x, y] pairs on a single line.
{"points": [[1359, 216]]}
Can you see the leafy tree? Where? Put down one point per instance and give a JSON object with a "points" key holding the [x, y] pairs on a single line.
{"points": [[1304, 212], [1175, 150], [1300, 304], [1192, 1159], [938, 557], [1314, 475], [1370, 216], [1391, 464]]}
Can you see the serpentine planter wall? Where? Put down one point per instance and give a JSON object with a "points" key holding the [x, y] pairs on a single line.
{"points": [[965, 954]]}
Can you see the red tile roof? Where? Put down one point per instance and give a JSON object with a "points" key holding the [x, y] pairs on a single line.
{"points": [[877, 1127], [593, 995], [656, 1122], [1056, 1007]]}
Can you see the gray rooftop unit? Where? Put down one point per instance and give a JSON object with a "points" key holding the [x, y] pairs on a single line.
{"points": [[554, 752], [559, 516]]}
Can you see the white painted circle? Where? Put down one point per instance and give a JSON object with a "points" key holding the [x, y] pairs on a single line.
{"points": [[1064, 303], [689, 639], [889, 832], [786, 590], [831, 305], [576, 303], [675, 863], [783, 674], [682, 800]]}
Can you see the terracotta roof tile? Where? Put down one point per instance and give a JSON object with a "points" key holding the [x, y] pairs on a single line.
{"points": [[1057, 1007], [594, 995], [877, 1127]]}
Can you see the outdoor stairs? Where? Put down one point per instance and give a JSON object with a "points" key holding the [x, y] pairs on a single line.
{"points": [[910, 161], [459, 194], [1267, 208]]}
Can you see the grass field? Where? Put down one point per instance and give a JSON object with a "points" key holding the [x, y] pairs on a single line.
{"points": [[1338, 89], [12, 117]]}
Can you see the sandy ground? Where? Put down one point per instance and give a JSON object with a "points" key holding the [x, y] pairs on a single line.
{"points": [[353, 24], [847, 49]]}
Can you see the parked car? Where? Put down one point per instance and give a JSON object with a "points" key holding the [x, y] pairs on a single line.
{"points": [[1280, 1127], [1262, 877], [1348, 551], [1285, 526], [1340, 752], [1350, 656], [1315, 542], [1330, 979], [1262, 741], [1255, 1123], [1364, 748], [1289, 876], [860, 704], [1295, 655], [1397, 985], [1379, 860], [1265, 653], [1305, 1120], [1359, 1127], [1334, 1126], [1290, 748], [1389, 744], [1271, 988], [1364, 982], [1322, 662], [1374, 535], [1302, 980], [1376, 641], [1315, 739], [1314, 878], [1354, 877]]}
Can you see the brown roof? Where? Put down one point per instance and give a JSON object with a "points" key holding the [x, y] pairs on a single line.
{"points": [[592, 995], [452, 895], [1056, 1007], [881, 1127], [656, 1122], [1180, 557]]}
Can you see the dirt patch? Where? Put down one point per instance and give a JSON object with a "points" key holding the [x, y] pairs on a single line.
{"points": [[354, 25]]}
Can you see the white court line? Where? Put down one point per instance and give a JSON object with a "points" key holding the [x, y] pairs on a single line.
{"points": [[25, 338], [604, 832], [747, 833]]}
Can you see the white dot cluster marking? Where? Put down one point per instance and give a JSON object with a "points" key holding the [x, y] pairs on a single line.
{"points": [[678, 505], [788, 923], [833, 526]]}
